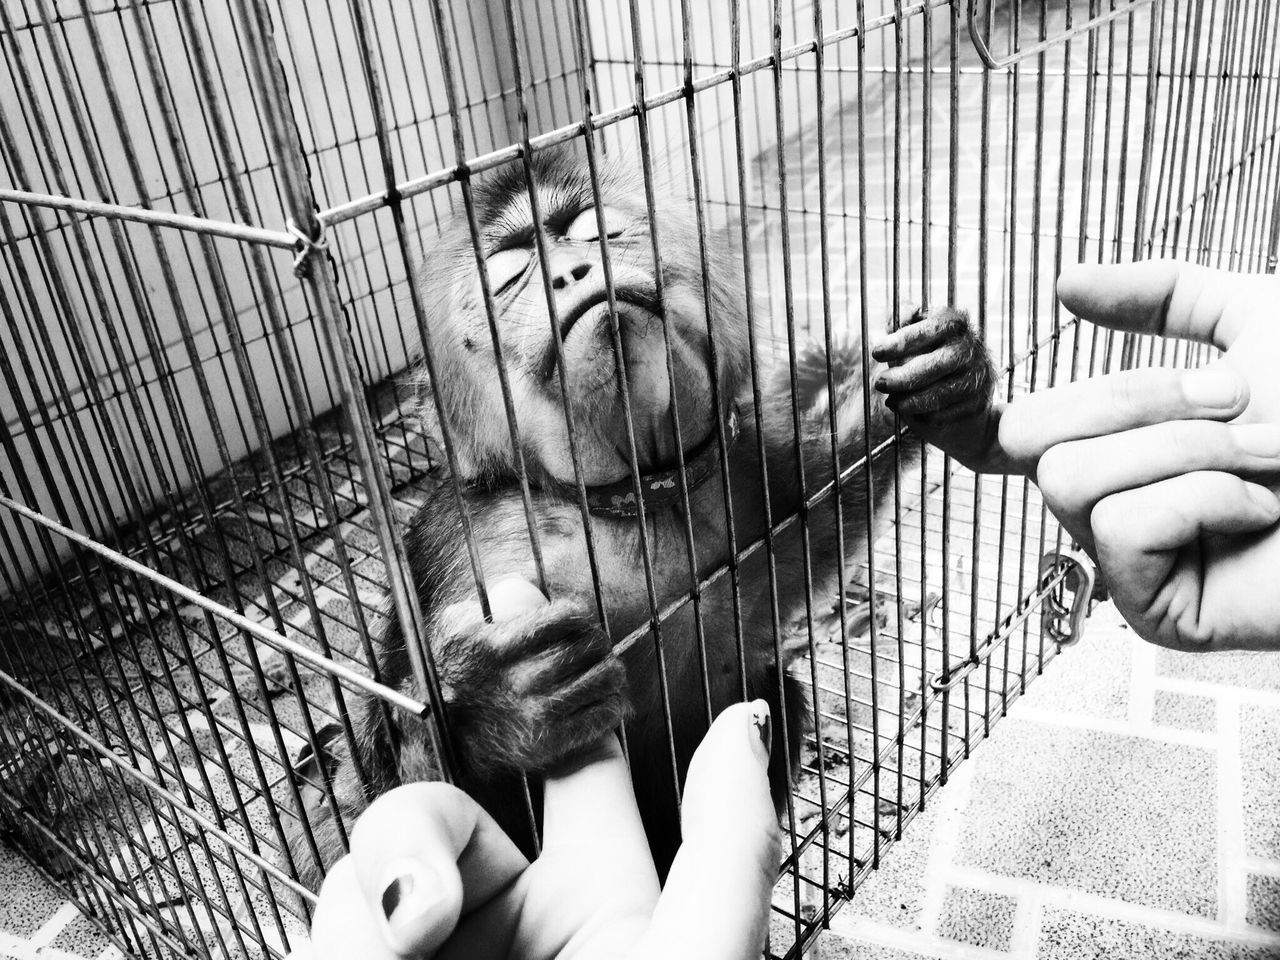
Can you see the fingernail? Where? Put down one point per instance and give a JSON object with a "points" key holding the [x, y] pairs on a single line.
{"points": [[1215, 387], [407, 899], [1266, 501], [762, 724], [1259, 439]]}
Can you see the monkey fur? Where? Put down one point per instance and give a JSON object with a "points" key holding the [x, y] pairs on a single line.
{"points": [[523, 694]]}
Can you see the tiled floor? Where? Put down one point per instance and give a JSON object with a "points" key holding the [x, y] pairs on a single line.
{"points": [[36, 922], [1129, 807]]}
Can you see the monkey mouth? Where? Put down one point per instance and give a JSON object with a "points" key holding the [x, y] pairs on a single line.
{"points": [[624, 296]]}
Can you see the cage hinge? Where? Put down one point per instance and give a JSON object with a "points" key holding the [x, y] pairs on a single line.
{"points": [[1066, 586], [306, 247], [1067, 605]]}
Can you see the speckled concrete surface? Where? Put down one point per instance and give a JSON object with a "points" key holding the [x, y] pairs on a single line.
{"points": [[1129, 808], [977, 917], [36, 921]]}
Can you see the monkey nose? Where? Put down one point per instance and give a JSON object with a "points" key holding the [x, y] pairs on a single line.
{"points": [[569, 274]]}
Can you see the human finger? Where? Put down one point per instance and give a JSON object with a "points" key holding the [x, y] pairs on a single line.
{"points": [[715, 905], [1075, 475], [590, 802], [1164, 297], [344, 924], [1033, 423], [1139, 533], [424, 854]]}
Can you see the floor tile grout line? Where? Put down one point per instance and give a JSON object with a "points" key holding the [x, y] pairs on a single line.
{"points": [[1024, 942], [1233, 899], [866, 931], [952, 802], [1081, 901], [1205, 688], [1142, 689], [57, 922], [1122, 728], [1261, 865]]}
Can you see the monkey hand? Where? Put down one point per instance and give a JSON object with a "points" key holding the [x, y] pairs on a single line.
{"points": [[940, 380], [530, 688]]}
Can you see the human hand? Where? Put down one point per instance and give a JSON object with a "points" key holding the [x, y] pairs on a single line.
{"points": [[430, 874], [1168, 478]]}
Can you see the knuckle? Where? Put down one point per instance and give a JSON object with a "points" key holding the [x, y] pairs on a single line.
{"points": [[1141, 393], [958, 320], [1126, 391], [1058, 477], [1111, 517], [1189, 444]]}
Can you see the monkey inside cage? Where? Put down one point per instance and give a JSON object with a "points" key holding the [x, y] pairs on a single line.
{"points": [[325, 323]]}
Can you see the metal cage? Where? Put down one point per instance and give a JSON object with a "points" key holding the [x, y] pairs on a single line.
{"points": [[211, 214]]}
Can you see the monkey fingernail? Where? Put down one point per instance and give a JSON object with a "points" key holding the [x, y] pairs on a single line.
{"points": [[762, 726], [408, 902]]}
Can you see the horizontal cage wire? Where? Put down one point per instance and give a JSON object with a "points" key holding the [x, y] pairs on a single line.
{"points": [[218, 223]]}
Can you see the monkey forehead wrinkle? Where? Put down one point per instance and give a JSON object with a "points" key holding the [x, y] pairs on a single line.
{"points": [[555, 200]]}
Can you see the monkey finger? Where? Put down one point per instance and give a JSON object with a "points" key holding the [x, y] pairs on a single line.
{"points": [[570, 673], [1033, 423], [597, 699], [715, 905], [1074, 476], [919, 336], [423, 854], [955, 389], [556, 626], [921, 370]]}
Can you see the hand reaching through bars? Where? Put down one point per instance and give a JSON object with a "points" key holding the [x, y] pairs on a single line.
{"points": [[1168, 478], [430, 874]]}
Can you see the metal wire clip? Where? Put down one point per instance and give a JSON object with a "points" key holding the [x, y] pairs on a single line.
{"points": [[1075, 30], [306, 247], [1062, 620]]}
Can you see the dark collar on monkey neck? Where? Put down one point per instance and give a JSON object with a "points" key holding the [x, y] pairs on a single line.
{"points": [[661, 488]]}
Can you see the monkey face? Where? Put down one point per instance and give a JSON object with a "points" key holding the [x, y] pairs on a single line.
{"points": [[653, 348]]}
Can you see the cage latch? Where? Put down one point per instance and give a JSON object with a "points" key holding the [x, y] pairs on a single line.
{"points": [[1066, 586], [1067, 605]]}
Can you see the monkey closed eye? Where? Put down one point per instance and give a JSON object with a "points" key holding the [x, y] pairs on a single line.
{"points": [[585, 225]]}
